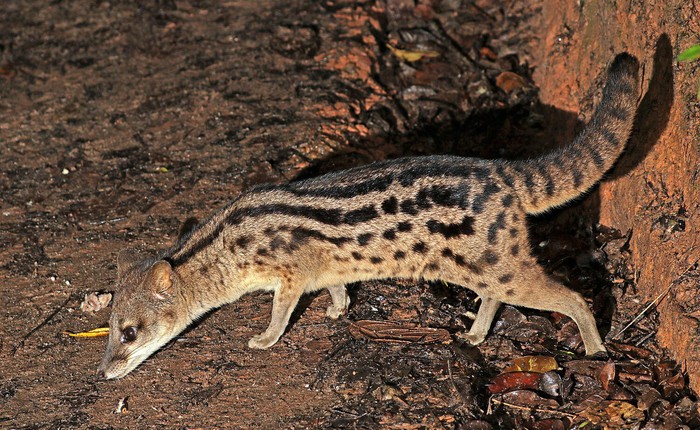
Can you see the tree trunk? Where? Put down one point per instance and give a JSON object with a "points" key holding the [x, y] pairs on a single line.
{"points": [[653, 191]]}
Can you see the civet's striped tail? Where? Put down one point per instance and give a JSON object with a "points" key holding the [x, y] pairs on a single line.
{"points": [[580, 165]]}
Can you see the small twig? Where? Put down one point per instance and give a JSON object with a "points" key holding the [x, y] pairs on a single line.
{"points": [[655, 302], [482, 11], [530, 409], [43, 323], [644, 339], [315, 324], [463, 398], [452, 379], [356, 416]]}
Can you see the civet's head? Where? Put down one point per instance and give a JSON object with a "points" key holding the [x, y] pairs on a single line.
{"points": [[145, 313]]}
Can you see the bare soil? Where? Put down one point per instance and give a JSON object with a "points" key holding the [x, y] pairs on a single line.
{"points": [[121, 120]]}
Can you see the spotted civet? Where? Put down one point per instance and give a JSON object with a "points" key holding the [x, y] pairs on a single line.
{"points": [[460, 220]]}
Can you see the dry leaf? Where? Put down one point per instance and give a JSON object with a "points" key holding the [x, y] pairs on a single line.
{"points": [[412, 56], [97, 332], [630, 350], [672, 384], [391, 332], [509, 82], [606, 374], [551, 384], [514, 381], [529, 399], [590, 368], [614, 415], [548, 424], [488, 53], [386, 393], [532, 363], [94, 302]]}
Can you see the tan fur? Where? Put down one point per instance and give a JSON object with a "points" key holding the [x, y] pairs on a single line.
{"points": [[459, 220]]}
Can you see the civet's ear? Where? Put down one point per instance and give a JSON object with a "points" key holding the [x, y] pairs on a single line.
{"points": [[161, 280], [126, 259]]}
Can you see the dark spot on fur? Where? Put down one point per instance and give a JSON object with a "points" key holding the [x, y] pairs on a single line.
{"points": [[276, 243], [447, 252], [459, 259], [505, 278], [510, 292], [364, 238], [301, 236], [243, 241], [399, 255], [420, 247], [263, 252], [450, 197], [376, 260], [513, 232], [498, 224], [507, 200], [507, 179], [404, 226], [527, 177], [466, 227], [490, 257], [357, 256], [595, 156], [515, 250], [432, 267], [422, 199], [269, 231], [204, 270], [475, 269], [390, 205], [482, 285], [389, 234], [549, 186], [483, 197], [481, 173], [408, 206], [578, 177]]}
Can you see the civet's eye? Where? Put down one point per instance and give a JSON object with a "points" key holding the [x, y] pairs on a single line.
{"points": [[128, 334]]}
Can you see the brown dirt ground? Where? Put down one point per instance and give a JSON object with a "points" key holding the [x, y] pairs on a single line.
{"points": [[120, 120]]}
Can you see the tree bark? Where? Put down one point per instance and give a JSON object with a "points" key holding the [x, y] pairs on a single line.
{"points": [[654, 190]]}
